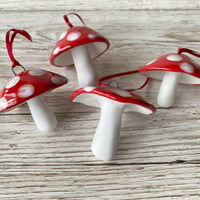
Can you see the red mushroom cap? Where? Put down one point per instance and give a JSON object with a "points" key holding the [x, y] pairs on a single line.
{"points": [[111, 93], [73, 37], [173, 62], [27, 85]]}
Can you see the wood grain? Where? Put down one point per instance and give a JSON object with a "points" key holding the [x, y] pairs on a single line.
{"points": [[98, 5], [173, 181], [157, 138], [158, 156]]}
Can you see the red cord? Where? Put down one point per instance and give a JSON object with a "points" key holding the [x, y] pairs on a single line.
{"points": [[122, 74], [9, 44], [67, 21], [180, 50], [186, 50]]}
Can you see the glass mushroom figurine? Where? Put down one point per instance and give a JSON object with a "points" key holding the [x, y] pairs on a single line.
{"points": [[113, 102], [172, 68], [78, 46], [29, 86]]}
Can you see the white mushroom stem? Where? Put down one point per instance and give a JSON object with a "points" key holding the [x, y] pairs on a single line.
{"points": [[85, 71], [44, 119], [167, 91], [106, 138]]}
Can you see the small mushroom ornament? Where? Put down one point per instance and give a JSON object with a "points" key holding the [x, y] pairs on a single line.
{"points": [[78, 46], [113, 102], [29, 86], [172, 68]]}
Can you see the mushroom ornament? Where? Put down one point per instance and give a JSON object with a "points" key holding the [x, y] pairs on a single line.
{"points": [[172, 68], [113, 102], [78, 46], [29, 86]]}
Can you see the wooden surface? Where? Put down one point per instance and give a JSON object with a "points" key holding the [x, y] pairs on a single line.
{"points": [[158, 156]]}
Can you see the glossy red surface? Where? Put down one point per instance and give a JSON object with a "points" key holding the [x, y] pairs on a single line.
{"points": [[115, 94], [73, 37], [27, 85], [173, 62]]}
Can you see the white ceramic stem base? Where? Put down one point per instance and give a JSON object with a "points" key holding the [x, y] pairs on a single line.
{"points": [[85, 71], [106, 138], [44, 119], [167, 91]]}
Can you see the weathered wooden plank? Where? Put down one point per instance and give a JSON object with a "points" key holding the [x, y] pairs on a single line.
{"points": [[169, 135], [20, 5], [60, 103], [158, 156], [153, 182], [137, 36], [159, 137], [136, 26], [135, 47]]}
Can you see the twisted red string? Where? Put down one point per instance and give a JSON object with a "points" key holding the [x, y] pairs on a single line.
{"points": [[9, 44], [180, 50], [186, 50], [123, 74], [67, 21]]}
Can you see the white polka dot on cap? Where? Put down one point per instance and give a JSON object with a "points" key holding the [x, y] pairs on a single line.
{"points": [[174, 57], [122, 93], [62, 35], [73, 36], [37, 72], [56, 50], [12, 82], [89, 88], [151, 62], [186, 67], [25, 91], [65, 48], [58, 79], [3, 103], [92, 36]]}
